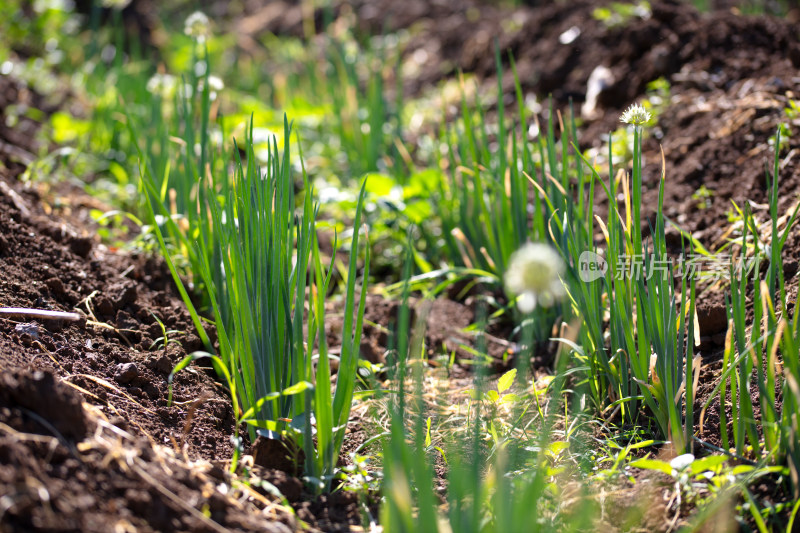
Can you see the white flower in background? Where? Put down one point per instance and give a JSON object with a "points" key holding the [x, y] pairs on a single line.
{"points": [[214, 85], [636, 115], [681, 467], [534, 275], [682, 462], [116, 4], [216, 137], [197, 26], [185, 91], [162, 85]]}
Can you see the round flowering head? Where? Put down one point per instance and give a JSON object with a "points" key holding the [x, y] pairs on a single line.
{"points": [[534, 275], [115, 4], [162, 85], [636, 115], [197, 26], [215, 85]]}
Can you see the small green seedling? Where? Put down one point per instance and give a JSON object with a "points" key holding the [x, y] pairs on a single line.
{"points": [[703, 196], [164, 340], [498, 396], [619, 14]]}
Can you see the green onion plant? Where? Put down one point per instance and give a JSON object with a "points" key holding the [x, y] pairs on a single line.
{"points": [[766, 429], [649, 353], [502, 192], [255, 257], [511, 488]]}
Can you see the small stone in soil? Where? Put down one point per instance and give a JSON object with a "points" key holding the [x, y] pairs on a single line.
{"points": [[289, 486], [56, 286], [104, 307], [81, 246], [152, 392], [30, 329], [122, 293], [160, 364], [126, 372], [276, 454], [125, 321]]}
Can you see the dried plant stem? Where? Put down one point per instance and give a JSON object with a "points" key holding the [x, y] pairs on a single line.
{"points": [[40, 313]]}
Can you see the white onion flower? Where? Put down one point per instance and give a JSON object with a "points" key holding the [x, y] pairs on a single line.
{"points": [[115, 4], [197, 26], [682, 462], [534, 275], [162, 85], [636, 115], [215, 85], [185, 91]]}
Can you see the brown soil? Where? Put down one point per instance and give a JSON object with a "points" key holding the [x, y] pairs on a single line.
{"points": [[86, 436], [66, 467]]}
